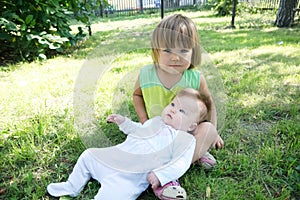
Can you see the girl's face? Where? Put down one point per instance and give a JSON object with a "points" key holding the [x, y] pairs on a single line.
{"points": [[174, 60]]}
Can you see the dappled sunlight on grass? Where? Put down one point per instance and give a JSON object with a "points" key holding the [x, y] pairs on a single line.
{"points": [[252, 100], [258, 64], [263, 55], [292, 80], [37, 87], [115, 78], [124, 25]]}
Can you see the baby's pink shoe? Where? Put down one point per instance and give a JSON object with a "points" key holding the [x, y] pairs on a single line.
{"points": [[170, 191]]}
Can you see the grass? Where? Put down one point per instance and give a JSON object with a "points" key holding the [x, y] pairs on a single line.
{"points": [[42, 111]]}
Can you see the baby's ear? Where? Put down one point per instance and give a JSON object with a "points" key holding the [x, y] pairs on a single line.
{"points": [[192, 127]]}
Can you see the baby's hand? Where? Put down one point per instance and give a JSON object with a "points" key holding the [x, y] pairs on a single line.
{"points": [[116, 118], [153, 180]]}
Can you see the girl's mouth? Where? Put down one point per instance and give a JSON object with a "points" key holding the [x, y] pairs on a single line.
{"points": [[175, 66]]}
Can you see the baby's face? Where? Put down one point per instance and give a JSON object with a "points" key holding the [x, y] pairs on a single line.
{"points": [[182, 112]]}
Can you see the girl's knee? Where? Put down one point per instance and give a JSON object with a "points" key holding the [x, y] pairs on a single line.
{"points": [[205, 129]]}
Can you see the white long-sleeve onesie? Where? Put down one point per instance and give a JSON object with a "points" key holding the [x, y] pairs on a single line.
{"points": [[158, 147], [122, 169]]}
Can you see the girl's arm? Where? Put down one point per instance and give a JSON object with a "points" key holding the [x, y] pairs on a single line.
{"points": [[138, 102], [204, 88], [213, 115]]}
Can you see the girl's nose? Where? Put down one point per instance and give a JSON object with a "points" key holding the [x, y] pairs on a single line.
{"points": [[175, 57]]}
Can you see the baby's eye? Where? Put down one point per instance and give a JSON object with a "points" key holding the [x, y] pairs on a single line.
{"points": [[172, 104], [182, 111]]}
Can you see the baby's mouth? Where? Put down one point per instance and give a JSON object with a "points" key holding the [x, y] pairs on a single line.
{"points": [[170, 116]]}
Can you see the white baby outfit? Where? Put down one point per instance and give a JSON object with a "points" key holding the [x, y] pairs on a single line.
{"points": [[122, 169]]}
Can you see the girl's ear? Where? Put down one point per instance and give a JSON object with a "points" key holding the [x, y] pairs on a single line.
{"points": [[192, 127]]}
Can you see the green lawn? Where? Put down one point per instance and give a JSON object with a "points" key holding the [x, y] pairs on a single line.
{"points": [[51, 111]]}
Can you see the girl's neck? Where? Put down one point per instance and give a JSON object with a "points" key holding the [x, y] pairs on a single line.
{"points": [[168, 79]]}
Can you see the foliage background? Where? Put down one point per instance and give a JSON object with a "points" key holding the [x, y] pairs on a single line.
{"points": [[33, 29]]}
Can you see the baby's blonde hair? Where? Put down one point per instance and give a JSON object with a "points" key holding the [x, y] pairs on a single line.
{"points": [[199, 96], [176, 31]]}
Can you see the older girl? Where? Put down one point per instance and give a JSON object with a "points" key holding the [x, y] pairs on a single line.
{"points": [[175, 53]]}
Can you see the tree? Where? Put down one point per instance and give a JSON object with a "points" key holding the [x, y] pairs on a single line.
{"points": [[223, 7], [285, 13], [233, 13]]}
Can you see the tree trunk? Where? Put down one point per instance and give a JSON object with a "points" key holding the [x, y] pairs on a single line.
{"points": [[285, 14], [162, 8], [142, 7], [233, 13]]}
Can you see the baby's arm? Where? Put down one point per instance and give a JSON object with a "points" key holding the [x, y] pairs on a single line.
{"points": [[138, 102], [116, 118], [178, 165], [125, 124]]}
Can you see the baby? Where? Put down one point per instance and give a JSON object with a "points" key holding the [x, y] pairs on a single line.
{"points": [[156, 152]]}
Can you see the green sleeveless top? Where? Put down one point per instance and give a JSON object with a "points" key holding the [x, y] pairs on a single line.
{"points": [[156, 95]]}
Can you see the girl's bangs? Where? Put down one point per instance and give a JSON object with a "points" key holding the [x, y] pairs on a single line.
{"points": [[174, 39]]}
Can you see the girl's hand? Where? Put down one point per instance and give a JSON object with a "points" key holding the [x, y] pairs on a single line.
{"points": [[153, 180], [219, 143], [116, 118]]}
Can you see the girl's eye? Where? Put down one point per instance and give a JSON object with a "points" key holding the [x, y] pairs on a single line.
{"points": [[182, 111], [167, 50], [184, 51], [172, 104]]}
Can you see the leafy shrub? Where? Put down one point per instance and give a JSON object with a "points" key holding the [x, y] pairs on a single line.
{"points": [[222, 7], [35, 28]]}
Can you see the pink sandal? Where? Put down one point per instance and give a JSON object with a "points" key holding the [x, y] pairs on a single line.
{"points": [[207, 161], [170, 191]]}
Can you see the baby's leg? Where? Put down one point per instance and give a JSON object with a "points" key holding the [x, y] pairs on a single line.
{"points": [[206, 136], [121, 185], [81, 174]]}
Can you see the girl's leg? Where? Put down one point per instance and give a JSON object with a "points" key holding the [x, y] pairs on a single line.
{"points": [[206, 136], [81, 174]]}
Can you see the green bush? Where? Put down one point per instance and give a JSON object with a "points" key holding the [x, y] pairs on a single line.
{"points": [[35, 28], [222, 7]]}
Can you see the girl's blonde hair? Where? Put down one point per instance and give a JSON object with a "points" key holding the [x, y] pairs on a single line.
{"points": [[176, 31]]}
